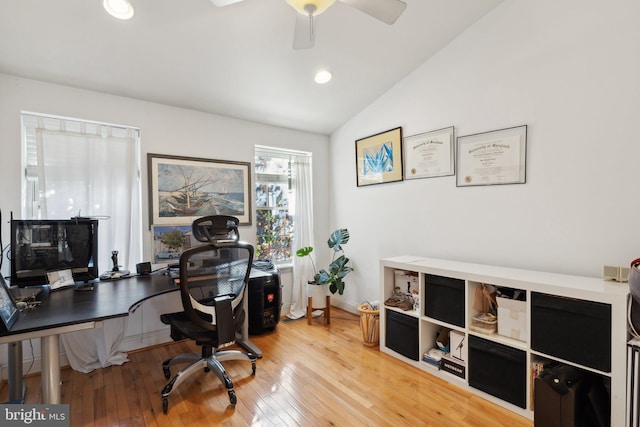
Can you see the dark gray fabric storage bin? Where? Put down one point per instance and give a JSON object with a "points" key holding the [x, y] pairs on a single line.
{"points": [[444, 299], [572, 329], [401, 332], [498, 370]]}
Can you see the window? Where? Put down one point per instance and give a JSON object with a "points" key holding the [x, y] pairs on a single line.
{"points": [[89, 169], [275, 201]]}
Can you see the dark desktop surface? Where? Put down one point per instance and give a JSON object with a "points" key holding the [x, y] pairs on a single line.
{"points": [[108, 299]]}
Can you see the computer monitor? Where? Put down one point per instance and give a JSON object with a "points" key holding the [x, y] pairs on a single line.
{"points": [[41, 246]]}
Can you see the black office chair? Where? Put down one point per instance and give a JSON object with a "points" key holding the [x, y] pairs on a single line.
{"points": [[213, 283]]}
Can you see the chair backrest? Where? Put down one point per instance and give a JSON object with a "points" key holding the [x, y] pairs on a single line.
{"points": [[214, 271]]}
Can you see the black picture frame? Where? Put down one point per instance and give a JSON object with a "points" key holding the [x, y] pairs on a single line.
{"points": [[9, 312], [379, 158]]}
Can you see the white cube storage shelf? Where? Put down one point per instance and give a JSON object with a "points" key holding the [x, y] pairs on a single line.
{"points": [[552, 292]]}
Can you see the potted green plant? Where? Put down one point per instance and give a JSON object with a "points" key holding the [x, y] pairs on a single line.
{"points": [[338, 268]]}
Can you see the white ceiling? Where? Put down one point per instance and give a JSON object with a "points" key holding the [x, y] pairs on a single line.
{"points": [[236, 61]]}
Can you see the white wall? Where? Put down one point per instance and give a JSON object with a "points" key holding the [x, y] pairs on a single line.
{"points": [[570, 71], [164, 130]]}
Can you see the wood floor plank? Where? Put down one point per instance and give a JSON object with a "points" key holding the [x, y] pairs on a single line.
{"points": [[310, 375]]}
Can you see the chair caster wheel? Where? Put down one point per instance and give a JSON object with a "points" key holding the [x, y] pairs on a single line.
{"points": [[232, 398], [165, 405], [167, 372]]}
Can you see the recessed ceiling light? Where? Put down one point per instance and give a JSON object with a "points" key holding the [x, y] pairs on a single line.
{"points": [[120, 9], [322, 77]]}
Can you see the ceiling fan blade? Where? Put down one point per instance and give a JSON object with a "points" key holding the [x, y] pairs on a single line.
{"points": [[304, 35], [387, 11], [222, 3]]}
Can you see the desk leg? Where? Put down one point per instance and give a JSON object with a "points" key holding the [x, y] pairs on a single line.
{"points": [[15, 380], [50, 347]]}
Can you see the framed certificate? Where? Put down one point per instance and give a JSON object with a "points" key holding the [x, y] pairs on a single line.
{"points": [[429, 154], [489, 158]]}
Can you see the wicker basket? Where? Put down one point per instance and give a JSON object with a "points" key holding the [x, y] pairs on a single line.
{"points": [[369, 325]]}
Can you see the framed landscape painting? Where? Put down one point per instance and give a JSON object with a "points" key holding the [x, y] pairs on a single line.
{"points": [[182, 189]]}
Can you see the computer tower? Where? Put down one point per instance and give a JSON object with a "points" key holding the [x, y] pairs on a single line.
{"points": [[264, 297]]}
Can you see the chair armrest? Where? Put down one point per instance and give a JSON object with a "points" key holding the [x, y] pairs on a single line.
{"points": [[224, 320]]}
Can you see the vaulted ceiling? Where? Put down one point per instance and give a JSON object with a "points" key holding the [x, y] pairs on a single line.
{"points": [[236, 60]]}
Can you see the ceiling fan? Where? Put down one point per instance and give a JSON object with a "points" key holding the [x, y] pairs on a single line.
{"points": [[387, 11]]}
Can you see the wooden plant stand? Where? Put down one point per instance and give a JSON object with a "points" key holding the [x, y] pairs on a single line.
{"points": [[326, 310]]}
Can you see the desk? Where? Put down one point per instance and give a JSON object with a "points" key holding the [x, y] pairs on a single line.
{"points": [[68, 310]]}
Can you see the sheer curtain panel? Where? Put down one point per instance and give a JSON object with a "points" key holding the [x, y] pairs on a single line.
{"points": [[302, 236], [91, 170]]}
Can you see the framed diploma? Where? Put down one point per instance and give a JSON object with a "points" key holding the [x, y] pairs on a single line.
{"points": [[379, 158], [429, 154], [489, 158]]}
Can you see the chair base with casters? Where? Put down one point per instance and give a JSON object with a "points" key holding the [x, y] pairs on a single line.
{"points": [[208, 360]]}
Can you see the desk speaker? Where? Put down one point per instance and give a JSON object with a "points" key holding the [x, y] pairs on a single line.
{"points": [[143, 268], [619, 274]]}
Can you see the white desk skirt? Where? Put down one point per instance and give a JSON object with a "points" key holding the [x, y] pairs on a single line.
{"points": [[96, 348]]}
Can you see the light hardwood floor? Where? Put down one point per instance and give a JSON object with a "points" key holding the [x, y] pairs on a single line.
{"points": [[310, 375]]}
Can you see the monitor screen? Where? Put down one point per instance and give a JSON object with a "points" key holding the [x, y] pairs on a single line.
{"points": [[41, 246]]}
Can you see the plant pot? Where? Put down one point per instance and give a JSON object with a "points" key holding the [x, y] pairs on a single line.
{"points": [[318, 294]]}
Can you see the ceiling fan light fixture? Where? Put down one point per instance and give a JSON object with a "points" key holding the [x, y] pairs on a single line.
{"points": [[310, 7], [121, 9], [322, 77]]}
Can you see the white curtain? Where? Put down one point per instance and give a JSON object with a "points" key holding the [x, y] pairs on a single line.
{"points": [[88, 169], [92, 170], [302, 235]]}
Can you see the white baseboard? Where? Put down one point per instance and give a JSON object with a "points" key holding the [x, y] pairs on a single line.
{"points": [[30, 366], [351, 308], [136, 342], [335, 302]]}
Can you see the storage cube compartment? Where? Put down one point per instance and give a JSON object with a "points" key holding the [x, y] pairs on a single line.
{"points": [[405, 281], [567, 396], [498, 370], [401, 332], [512, 318], [572, 329], [444, 299]]}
